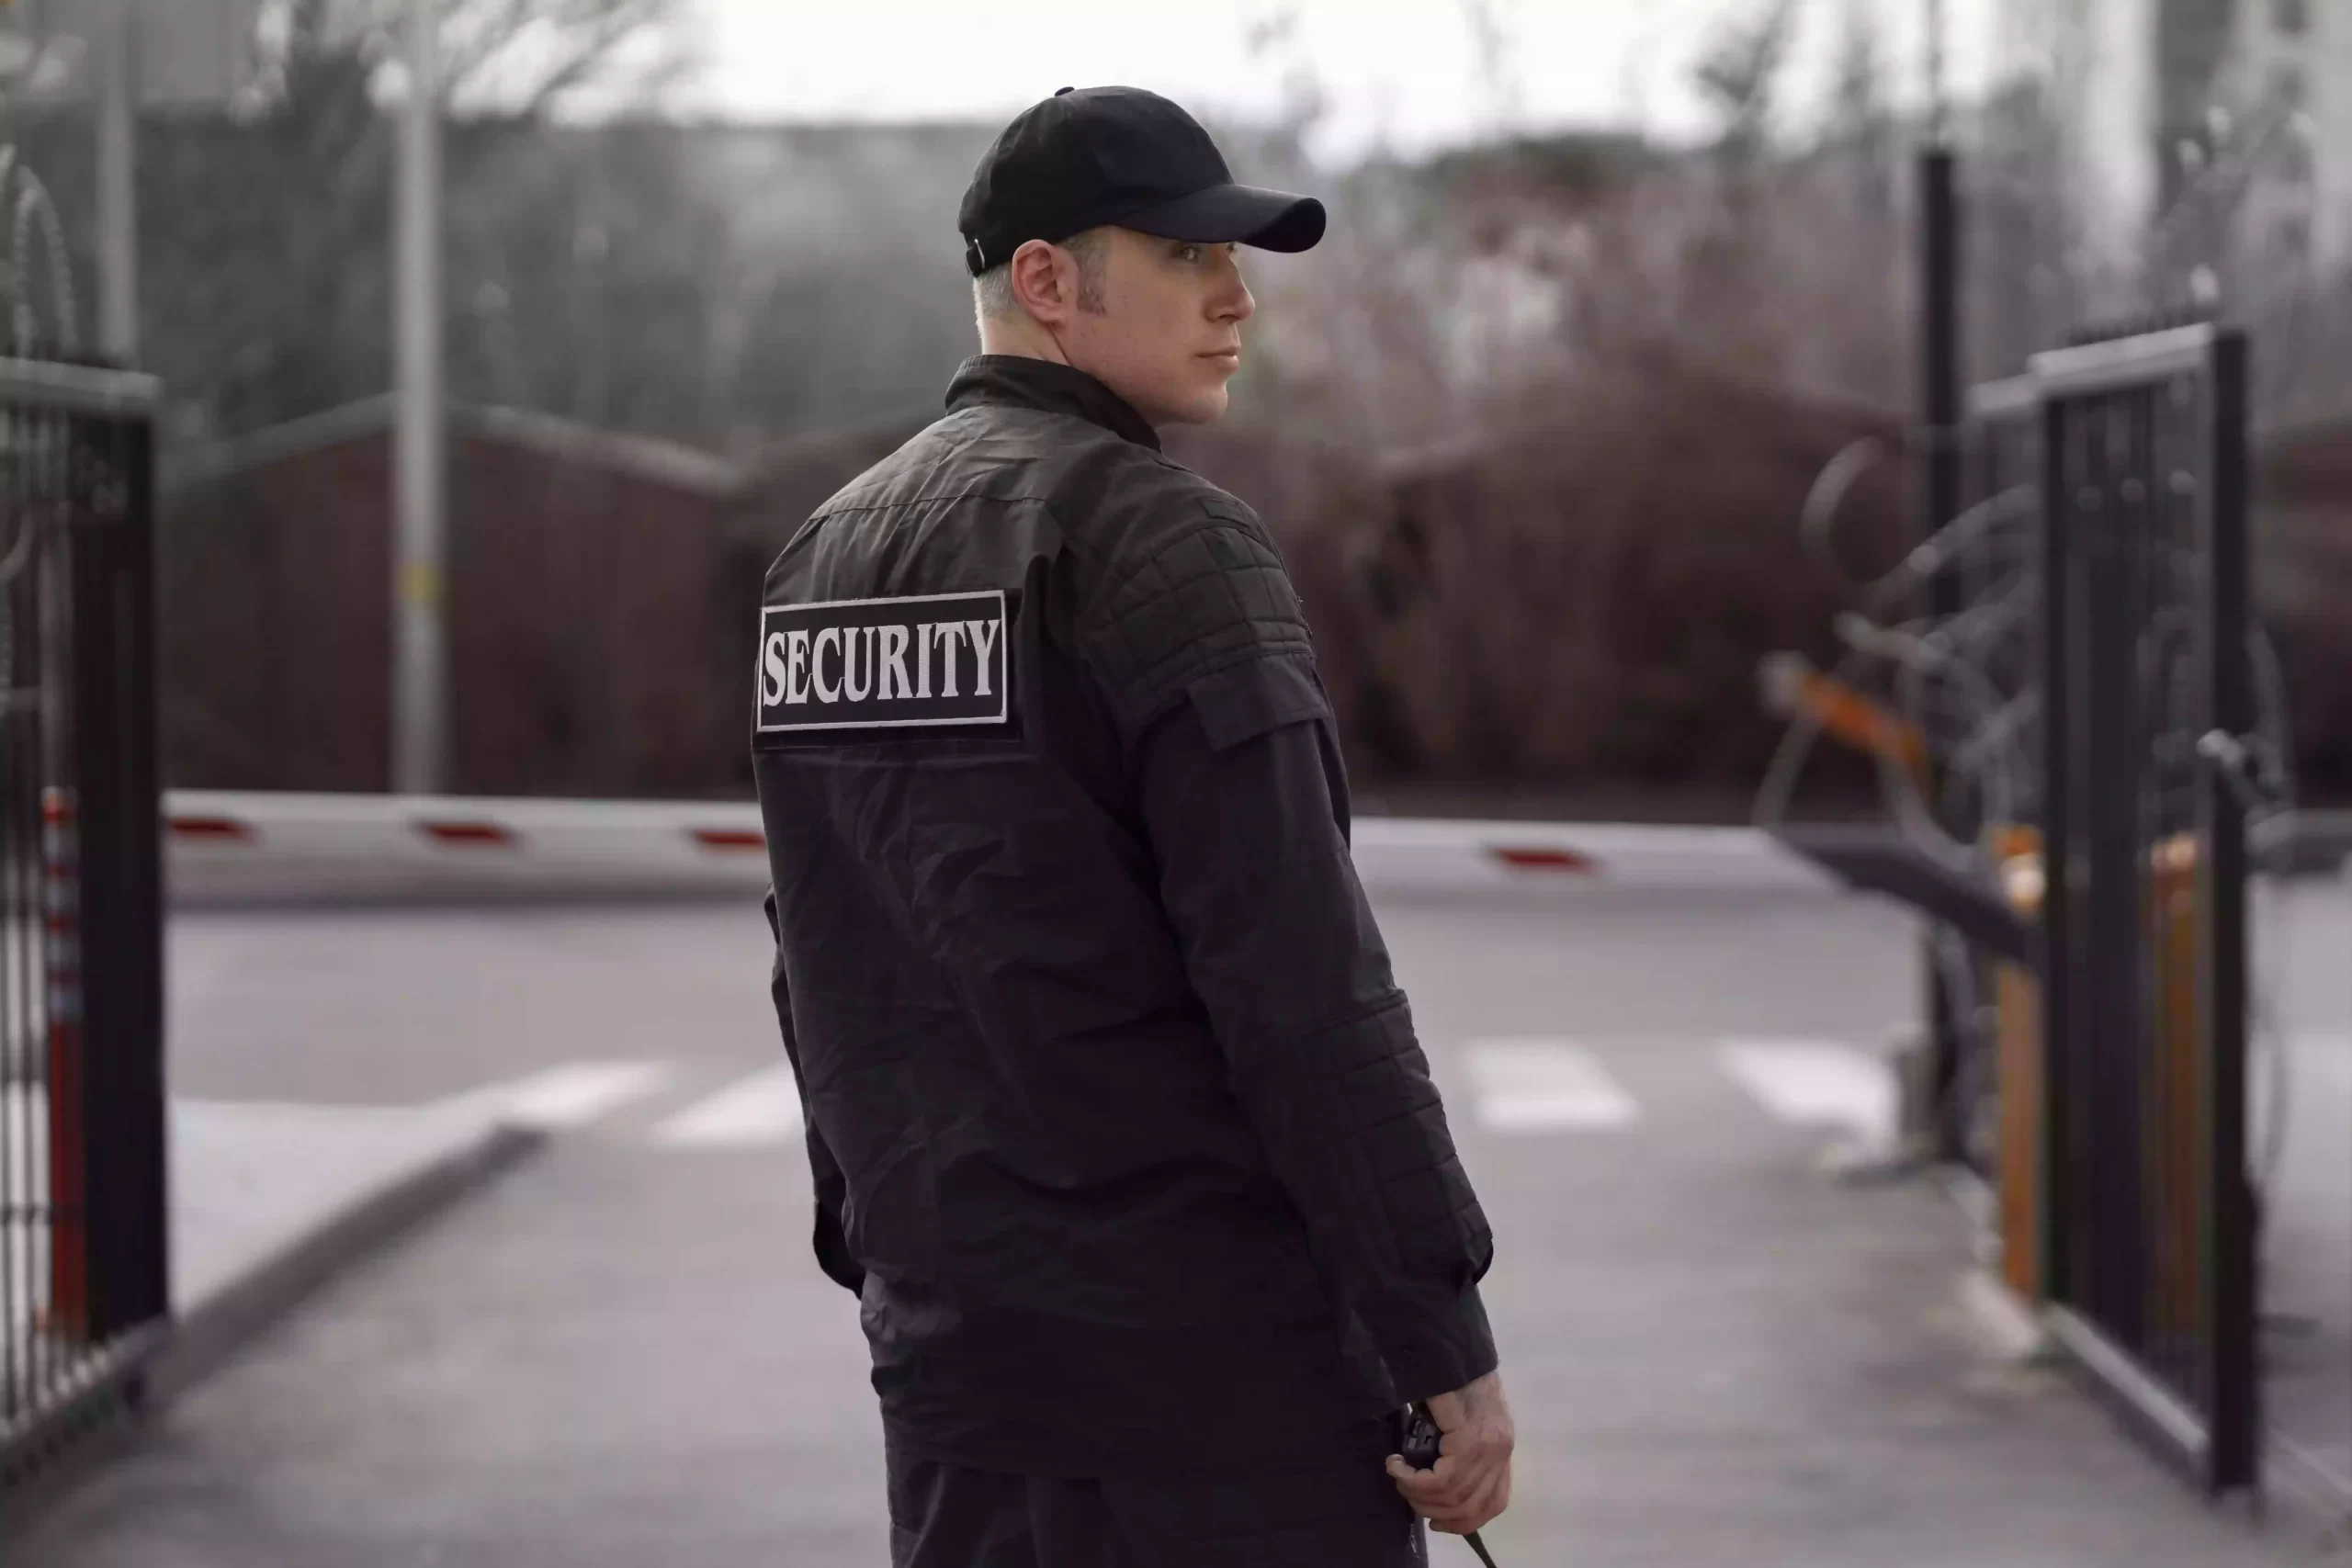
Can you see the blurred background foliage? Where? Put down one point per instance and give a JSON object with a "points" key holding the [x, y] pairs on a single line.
{"points": [[1533, 425]]}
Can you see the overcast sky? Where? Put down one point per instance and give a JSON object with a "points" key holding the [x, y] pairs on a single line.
{"points": [[1405, 72]]}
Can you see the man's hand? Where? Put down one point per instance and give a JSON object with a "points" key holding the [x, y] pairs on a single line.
{"points": [[1471, 1486]]}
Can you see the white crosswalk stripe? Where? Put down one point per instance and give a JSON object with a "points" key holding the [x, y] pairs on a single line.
{"points": [[763, 1107], [1816, 1083], [578, 1093], [1534, 1085], [1520, 1085]]}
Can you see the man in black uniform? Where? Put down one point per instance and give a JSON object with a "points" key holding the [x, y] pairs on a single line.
{"points": [[1119, 1126]]}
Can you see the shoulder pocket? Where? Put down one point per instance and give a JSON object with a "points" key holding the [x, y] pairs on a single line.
{"points": [[1258, 694]]}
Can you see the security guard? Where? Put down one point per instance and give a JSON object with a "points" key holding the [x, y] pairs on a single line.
{"points": [[1119, 1126]]}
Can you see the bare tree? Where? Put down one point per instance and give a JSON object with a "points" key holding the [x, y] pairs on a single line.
{"points": [[1739, 74], [1861, 129], [265, 229], [1492, 46], [510, 57]]}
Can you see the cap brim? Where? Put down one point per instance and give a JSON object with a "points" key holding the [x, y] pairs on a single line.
{"points": [[1241, 215]]}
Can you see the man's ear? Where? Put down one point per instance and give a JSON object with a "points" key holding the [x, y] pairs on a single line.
{"points": [[1043, 280]]}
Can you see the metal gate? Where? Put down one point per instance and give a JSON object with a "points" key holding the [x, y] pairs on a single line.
{"points": [[83, 1285], [2078, 703], [2148, 1241]]}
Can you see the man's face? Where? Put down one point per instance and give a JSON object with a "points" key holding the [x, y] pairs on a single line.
{"points": [[1167, 336]]}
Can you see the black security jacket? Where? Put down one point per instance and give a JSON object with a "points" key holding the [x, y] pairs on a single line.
{"points": [[1118, 1123]]}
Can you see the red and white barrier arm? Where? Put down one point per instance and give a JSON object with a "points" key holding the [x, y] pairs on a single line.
{"points": [[216, 832], [224, 824], [1407, 851]]}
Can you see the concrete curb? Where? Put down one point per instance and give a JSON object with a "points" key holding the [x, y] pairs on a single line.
{"points": [[213, 1328], [166, 1360], [2313, 1498], [2006, 1325]]}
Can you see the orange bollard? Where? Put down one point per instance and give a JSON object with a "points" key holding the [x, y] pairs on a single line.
{"points": [[2175, 1146], [2017, 1068], [1793, 686], [2173, 1139]]}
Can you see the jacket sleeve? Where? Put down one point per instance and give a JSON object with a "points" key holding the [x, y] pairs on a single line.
{"points": [[1235, 763], [831, 1244]]}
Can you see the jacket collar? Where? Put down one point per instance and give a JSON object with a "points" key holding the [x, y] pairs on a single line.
{"points": [[1022, 382]]}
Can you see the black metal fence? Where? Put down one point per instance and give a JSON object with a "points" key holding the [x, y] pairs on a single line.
{"points": [[2149, 1225], [84, 1265]]}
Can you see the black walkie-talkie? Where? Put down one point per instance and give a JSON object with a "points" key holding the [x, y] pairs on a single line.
{"points": [[1419, 1450]]}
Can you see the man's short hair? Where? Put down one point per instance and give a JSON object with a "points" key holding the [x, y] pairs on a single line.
{"points": [[993, 290]]}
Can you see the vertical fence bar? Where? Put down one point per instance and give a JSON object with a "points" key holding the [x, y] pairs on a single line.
{"points": [[2118, 1017], [61, 1325], [2228, 703], [121, 880], [67, 1317], [18, 736], [2055, 818], [26, 1021], [1940, 411], [2169, 1214], [2056, 859]]}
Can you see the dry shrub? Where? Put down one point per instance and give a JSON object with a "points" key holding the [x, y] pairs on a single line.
{"points": [[1584, 425], [1584, 596], [2302, 549]]}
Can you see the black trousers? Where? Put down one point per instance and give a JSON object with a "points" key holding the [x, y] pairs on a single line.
{"points": [[1313, 1512]]}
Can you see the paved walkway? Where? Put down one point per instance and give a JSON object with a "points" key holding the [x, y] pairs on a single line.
{"points": [[255, 1187], [613, 1356], [621, 1354]]}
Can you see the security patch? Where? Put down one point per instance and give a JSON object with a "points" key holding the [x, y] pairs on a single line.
{"points": [[916, 662]]}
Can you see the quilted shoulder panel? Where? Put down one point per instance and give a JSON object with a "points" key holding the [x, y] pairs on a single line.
{"points": [[1205, 590]]}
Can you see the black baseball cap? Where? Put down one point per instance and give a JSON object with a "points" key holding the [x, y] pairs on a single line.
{"points": [[1093, 155]]}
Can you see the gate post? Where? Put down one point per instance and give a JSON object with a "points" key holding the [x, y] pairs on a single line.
{"points": [[1939, 492], [2230, 1373], [121, 808]]}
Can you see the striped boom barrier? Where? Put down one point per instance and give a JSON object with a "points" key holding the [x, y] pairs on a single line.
{"points": [[224, 843]]}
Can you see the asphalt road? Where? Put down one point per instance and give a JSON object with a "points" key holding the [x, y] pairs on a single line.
{"points": [[393, 1006], [621, 1354]]}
